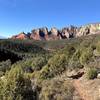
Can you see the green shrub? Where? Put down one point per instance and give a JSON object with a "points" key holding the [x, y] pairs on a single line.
{"points": [[86, 55], [91, 73], [55, 66], [74, 62], [1, 73], [38, 63], [69, 50], [98, 46], [5, 65], [32, 64], [21, 46], [15, 86]]}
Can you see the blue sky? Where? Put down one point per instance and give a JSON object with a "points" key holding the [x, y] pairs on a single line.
{"points": [[24, 15]]}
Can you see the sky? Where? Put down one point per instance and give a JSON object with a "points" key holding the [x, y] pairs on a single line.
{"points": [[24, 15]]}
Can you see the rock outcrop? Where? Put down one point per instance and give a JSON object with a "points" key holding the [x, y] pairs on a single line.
{"points": [[35, 34], [53, 34], [88, 30], [64, 33], [75, 75], [39, 34], [20, 36]]}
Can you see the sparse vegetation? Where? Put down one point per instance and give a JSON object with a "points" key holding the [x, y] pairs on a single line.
{"points": [[57, 89], [91, 73], [15, 86], [28, 64], [55, 66]]}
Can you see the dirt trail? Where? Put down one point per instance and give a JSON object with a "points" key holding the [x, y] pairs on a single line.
{"points": [[81, 90], [84, 90]]}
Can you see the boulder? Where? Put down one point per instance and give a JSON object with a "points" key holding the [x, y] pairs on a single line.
{"points": [[98, 76], [98, 73]]}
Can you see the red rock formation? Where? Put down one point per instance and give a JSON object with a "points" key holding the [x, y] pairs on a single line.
{"points": [[39, 34], [20, 36], [53, 34], [35, 34], [64, 33]]}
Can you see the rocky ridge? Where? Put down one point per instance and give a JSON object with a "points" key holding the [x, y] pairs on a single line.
{"points": [[64, 33]]}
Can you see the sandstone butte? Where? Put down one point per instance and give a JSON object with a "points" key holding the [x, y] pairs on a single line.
{"points": [[57, 34]]}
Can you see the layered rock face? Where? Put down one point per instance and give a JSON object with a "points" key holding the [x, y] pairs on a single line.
{"points": [[64, 33]]}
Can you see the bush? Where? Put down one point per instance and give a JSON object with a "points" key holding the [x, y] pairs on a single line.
{"points": [[74, 62], [86, 55], [32, 64], [8, 54], [69, 50], [21, 46], [38, 63], [91, 73], [98, 46], [55, 66], [15, 86], [5, 65]]}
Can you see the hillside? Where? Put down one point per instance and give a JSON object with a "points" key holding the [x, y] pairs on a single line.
{"points": [[66, 69]]}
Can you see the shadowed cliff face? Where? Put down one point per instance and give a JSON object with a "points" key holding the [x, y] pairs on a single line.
{"points": [[64, 33], [5, 55]]}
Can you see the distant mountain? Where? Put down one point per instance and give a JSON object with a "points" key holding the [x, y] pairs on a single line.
{"points": [[2, 37], [64, 33]]}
